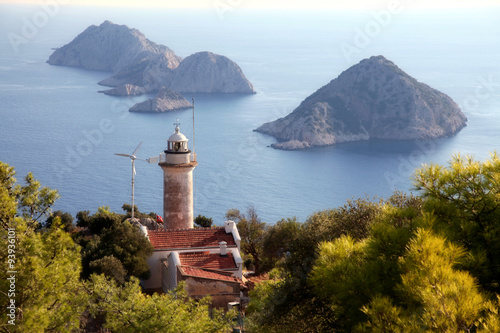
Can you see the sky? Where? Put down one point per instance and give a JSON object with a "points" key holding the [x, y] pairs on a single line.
{"points": [[273, 4]]}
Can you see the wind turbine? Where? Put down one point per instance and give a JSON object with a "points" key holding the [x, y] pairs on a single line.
{"points": [[133, 158]]}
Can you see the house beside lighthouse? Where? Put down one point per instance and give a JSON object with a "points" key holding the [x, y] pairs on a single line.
{"points": [[207, 259]]}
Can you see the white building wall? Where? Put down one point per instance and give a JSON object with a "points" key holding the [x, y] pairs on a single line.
{"points": [[155, 264], [169, 272], [238, 260], [230, 227]]}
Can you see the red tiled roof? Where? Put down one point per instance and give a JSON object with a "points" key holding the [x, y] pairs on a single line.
{"points": [[207, 274], [210, 261], [189, 238]]}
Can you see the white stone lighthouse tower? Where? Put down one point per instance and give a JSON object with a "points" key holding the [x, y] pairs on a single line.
{"points": [[177, 166]]}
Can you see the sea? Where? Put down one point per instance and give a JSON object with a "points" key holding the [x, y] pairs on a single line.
{"points": [[55, 124]]}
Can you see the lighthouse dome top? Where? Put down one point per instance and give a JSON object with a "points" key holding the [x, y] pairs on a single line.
{"points": [[177, 143], [177, 136]]}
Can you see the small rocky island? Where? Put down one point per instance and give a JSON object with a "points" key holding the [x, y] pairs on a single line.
{"points": [[371, 100], [141, 66], [165, 100], [124, 90]]}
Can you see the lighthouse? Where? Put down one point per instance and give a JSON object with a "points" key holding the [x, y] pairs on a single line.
{"points": [[181, 252], [177, 165]]}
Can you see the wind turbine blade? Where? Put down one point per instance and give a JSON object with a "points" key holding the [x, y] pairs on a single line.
{"points": [[133, 167], [123, 155], [137, 149]]}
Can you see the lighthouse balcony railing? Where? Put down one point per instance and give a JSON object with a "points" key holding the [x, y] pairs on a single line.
{"points": [[162, 158]]}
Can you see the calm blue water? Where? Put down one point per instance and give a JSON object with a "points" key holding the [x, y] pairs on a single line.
{"points": [[55, 124]]}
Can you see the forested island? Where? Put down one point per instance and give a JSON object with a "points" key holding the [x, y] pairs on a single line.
{"points": [[408, 263]]}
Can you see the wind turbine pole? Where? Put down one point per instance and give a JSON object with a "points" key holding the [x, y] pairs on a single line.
{"points": [[133, 185], [133, 157]]}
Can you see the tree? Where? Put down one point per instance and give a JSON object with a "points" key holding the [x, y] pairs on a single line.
{"points": [[109, 266], [126, 309], [66, 220], [50, 293], [35, 201], [233, 214], [8, 202], [278, 241], [429, 295], [270, 310], [252, 231], [295, 297], [103, 219], [465, 198], [388, 238], [83, 219], [450, 298], [7, 180], [353, 218], [437, 297], [116, 248], [40, 271], [203, 221], [137, 214], [31, 200], [339, 276]]}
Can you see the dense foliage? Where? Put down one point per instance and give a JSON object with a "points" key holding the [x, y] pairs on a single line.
{"points": [[46, 262], [406, 264], [203, 221], [465, 198], [113, 246], [126, 309], [252, 231]]}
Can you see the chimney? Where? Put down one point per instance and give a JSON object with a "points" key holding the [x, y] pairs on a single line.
{"points": [[223, 248], [228, 226]]}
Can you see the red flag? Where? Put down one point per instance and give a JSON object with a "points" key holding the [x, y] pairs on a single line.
{"points": [[159, 219]]}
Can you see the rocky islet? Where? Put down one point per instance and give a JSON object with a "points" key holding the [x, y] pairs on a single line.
{"points": [[373, 99], [165, 100]]}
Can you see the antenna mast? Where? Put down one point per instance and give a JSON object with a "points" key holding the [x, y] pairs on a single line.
{"points": [[194, 151]]}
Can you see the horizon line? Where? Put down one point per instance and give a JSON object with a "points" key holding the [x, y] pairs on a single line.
{"points": [[270, 5]]}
